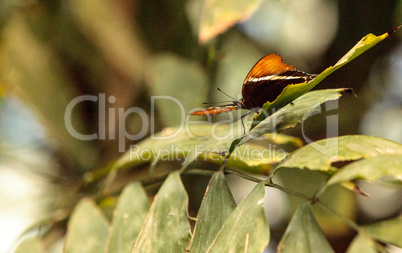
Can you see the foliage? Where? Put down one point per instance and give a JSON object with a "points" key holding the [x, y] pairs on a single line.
{"points": [[162, 223], [221, 226]]}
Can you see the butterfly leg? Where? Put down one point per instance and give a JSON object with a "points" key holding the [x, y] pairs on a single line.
{"points": [[242, 123], [245, 115]]}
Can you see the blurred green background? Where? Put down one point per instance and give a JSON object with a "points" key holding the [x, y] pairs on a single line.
{"points": [[54, 51]]}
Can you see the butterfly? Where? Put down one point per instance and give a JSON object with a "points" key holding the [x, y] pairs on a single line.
{"points": [[265, 81]]}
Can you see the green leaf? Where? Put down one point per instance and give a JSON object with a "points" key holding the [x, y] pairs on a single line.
{"points": [[303, 233], [321, 154], [369, 169], [293, 113], [173, 144], [285, 139], [218, 15], [362, 243], [293, 91], [252, 158], [217, 205], [166, 228], [166, 78], [31, 245], [200, 141], [246, 229], [87, 229], [388, 231], [128, 218], [184, 144]]}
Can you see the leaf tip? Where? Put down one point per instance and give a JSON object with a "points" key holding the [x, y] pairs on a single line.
{"points": [[349, 91], [394, 30], [359, 191]]}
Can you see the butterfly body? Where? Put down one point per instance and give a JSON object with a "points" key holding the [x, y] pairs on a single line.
{"points": [[265, 81]]}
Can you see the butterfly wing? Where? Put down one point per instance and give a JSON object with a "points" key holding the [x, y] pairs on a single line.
{"points": [[266, 80]]}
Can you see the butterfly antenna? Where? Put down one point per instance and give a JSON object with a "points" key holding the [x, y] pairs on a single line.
{"points": [[211, 103], [226, 94]]}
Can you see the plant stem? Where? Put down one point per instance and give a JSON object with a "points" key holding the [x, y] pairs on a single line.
{"points": [[269, 184], [348, 222]]}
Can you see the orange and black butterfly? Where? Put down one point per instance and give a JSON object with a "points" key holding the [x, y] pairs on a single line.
{"points": [[265, 81]]}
